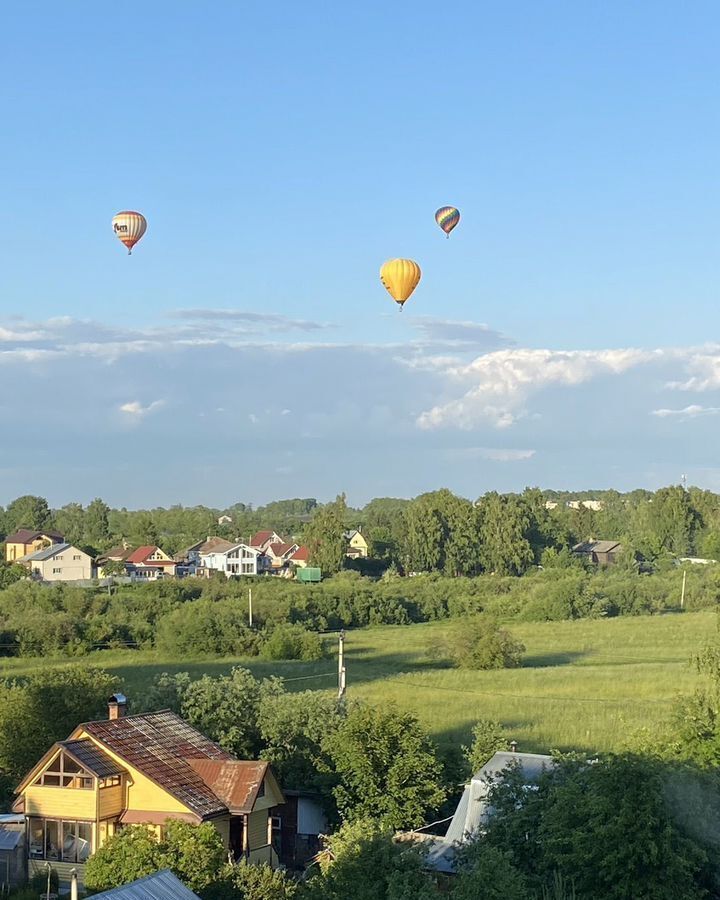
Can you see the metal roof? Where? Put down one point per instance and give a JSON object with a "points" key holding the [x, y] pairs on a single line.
{"points": [[161, 745], [92, 758], [9, 838], [46, 553], [160, 886], [236, 782]]}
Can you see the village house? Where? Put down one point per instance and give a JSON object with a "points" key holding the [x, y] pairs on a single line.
{"points": [[300, 558], [237, 559], [601, 553], [279, 553], [24, 541], [263, 539], [357, 545], [59, 562], [142, 770], [149, 562]]}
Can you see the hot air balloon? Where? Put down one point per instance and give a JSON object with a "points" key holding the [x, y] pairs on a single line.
{"points": [[129, 227], [400, 277], [447, 218]]}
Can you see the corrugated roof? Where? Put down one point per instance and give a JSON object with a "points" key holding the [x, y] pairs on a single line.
{"points": [[161, 746], [92, 758], [46, 553], [10, 838], [235, 782], [141, 554], [160, 886]]}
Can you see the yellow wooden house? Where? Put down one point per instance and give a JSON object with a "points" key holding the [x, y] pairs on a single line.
{"points": [[357, 545], [142, 770], [24, 541]]}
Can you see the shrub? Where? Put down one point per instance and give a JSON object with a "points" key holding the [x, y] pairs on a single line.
{"points": [[292, 642], [481, 643]]}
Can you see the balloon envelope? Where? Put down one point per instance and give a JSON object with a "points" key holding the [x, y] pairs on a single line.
{"points": [[129, 227], [400, 277], [447, 218]]}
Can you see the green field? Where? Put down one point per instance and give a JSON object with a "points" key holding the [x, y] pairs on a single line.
{"points": [[585, 684]]}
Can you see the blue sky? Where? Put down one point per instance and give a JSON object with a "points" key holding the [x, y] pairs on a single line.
{"points": [[565, 336]]}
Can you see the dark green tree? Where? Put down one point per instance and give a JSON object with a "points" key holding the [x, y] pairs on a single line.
{"points": [[324, 536], [97, 529], [386, 766], [28, 511], [504, 522]]}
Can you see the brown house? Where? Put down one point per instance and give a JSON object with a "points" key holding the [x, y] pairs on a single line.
{"points": [[601, 553]]}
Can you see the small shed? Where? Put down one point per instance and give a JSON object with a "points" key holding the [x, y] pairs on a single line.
{"points": [[12, 850], [309, 574]]}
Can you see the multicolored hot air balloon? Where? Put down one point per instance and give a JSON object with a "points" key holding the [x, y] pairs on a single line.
{"points": [[447, 218], [400, 277], [129, 227]]}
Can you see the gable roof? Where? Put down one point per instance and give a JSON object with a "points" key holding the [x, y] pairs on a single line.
{"points": [[161, 745], [215, 545], [596, 547], [47, 553], [235, 782], [302, 554], [349, 535], [162, 885], [141, 554], [26, 536], [261, 538], [280, 548]]}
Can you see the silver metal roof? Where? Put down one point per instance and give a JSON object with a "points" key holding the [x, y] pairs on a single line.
{"points": [[10, 837], [46, 553], [160, 886]]}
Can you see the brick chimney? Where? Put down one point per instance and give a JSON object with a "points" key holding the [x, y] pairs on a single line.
{"points": [[117, 706]]}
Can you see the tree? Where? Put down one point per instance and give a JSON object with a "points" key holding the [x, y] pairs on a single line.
{"points": [[97, 529], [293, 730], [666, 526], [226, 709], [487, 738], [144, 530], [47, 708], [195, 853], [251, 882], [387, 767], [505, 549], [424, 537], [10, 573], [363, 862], [70, 521], [614, 826], [27, 511], [487, 873], [325, 536]]}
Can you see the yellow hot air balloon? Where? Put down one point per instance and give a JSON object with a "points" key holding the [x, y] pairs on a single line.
{"points": [[400, 277], [129, 227]]}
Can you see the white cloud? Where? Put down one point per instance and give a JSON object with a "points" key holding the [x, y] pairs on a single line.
{"points": [[135, 411], [689, 412], [704, 369], [500, 383], [493, 454]]}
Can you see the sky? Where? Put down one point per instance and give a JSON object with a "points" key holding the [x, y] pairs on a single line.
{"points": [[566, 335]]}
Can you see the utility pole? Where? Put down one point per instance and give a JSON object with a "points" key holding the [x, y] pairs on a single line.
{"points": [[682, 596], [341, 665], [250, 607]]}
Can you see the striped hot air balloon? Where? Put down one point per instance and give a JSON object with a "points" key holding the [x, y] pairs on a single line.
{"points": [[129, 227], [447, 218], [400, 277]]}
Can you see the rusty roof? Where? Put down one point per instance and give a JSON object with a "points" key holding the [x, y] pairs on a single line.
{"points": [[164, 747], [235, 782]]}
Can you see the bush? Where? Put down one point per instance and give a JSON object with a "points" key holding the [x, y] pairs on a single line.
{"points": [[481, 643], [207, 628], [487, 738], [292, 642]]}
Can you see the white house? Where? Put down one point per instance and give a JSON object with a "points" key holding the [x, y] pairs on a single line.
{"points": [[239, 559], [59, 562]]}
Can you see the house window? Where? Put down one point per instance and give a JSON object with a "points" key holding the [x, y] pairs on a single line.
{"points": [[57, 571], [59, 840], [63, 771], [77, 558], [112, 781]]}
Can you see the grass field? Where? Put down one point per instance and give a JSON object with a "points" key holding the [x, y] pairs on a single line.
{"points": [[584, 684]]}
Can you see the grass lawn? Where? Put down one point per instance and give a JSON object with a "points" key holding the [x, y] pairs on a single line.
{"points": [[584, 685]]}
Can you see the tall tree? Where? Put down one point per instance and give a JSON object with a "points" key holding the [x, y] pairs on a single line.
{"points": [[97, 530], [665, 526], [28, 511], [324, 536], [505, 548], [70, 521]]}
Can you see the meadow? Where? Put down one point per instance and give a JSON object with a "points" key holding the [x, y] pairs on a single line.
{"points": [[584, 684]]}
